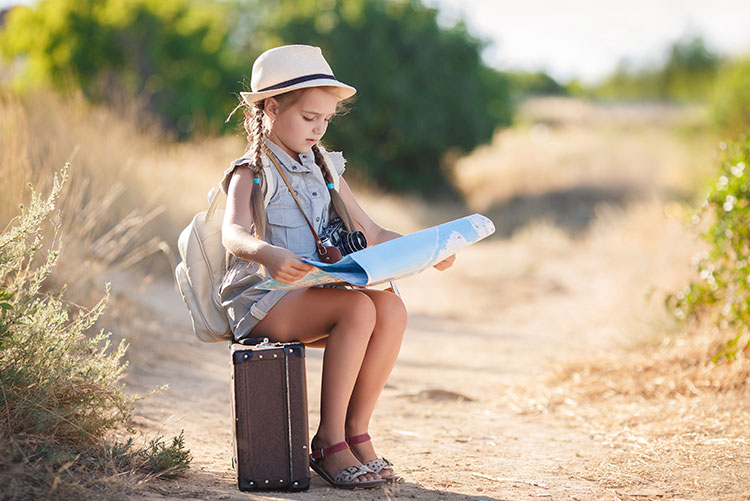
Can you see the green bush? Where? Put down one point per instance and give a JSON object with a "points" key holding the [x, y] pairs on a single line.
{"points": [[60, 388], [172, 54], [56, 380], [722, 292], [731, 104]]}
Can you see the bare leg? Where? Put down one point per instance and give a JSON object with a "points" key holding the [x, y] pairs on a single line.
{"points": [[348, 317], [380, 357]]}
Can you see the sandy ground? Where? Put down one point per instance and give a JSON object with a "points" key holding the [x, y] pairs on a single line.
{"points": [[507, 314]]}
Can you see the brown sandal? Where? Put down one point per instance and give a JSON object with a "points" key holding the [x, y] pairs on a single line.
{"points": [[379, 464], [346, 478]]}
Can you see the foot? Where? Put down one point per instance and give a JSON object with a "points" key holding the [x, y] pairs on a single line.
{"points": [[361, 446], [338, 461]]}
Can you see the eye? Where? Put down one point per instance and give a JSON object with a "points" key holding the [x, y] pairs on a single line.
{"points": [[308, 119]]}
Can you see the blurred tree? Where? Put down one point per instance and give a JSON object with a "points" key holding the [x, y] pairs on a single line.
{"points": [[628, 83], [539, 83], [731, 103], [171, 53], [422, 89], [688, 74]]}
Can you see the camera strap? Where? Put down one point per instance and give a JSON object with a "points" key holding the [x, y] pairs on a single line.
{"points": [[327, 254]]}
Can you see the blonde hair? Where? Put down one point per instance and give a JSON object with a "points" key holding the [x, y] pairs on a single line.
{"points": [[255, 130]]}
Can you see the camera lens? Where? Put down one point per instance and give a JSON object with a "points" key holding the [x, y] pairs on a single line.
{"points": [[352, 242]]}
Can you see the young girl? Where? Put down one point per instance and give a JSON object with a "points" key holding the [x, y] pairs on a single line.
{"points": [[294, 96]]}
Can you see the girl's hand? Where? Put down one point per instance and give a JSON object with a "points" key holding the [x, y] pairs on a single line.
{"points": [[445, 263], [284, 265]]}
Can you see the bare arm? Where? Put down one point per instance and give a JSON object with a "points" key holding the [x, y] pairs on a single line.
{"points": [[375, 233], [282, 264]]}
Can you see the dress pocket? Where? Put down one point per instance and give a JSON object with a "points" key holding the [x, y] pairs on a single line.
{"points": [[288, 228]]}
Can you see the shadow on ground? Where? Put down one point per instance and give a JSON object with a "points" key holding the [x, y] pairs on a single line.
{"points": [[571, 209], [163, 489]]}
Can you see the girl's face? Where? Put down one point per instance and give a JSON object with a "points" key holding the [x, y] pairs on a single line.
{"points": [[300, 123]]}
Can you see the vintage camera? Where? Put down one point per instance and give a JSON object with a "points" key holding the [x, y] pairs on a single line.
{"points": [[335, 235]]}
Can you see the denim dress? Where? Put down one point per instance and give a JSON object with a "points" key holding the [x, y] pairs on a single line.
{"points": [[246, 305]]}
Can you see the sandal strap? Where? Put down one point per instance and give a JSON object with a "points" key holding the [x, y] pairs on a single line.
{"points": [[327, 451], [358, 439], [379, 464], [351, 473]]}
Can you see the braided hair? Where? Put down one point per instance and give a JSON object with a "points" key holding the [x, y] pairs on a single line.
{"points": [[253, 124], [338, 202]]}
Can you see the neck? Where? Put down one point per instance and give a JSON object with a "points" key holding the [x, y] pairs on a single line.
{"points": [[275, 139]]}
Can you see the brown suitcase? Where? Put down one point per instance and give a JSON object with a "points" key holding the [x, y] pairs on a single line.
{"points": [[269, 413]]}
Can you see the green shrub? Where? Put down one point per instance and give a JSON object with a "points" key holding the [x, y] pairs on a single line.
{"points": [[731, 104], [722, 292], [56, 380], [172, 54], [157, 458], [60, 388]]}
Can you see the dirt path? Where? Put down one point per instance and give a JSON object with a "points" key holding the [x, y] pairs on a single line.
{"points": [[503, 319]]}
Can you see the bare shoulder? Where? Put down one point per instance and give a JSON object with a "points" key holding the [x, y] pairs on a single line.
{"points": [[239, 194], [242, 176]]}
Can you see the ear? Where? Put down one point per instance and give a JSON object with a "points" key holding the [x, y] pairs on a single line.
{"points": [[271, 108]]}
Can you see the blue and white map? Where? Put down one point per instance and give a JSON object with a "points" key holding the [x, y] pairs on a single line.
{"points": [[397, 258]]}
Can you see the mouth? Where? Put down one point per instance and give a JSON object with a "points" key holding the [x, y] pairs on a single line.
{"points": [[311, 141]]}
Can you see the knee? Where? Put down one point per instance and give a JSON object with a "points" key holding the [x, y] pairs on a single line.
{"points": [[360, 310], [391, 311]]}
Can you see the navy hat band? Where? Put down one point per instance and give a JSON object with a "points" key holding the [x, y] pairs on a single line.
{"points": [[295, 81]]}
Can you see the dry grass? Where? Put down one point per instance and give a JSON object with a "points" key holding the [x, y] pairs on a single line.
{"points": [[109, 222], [132, 188], [675, 422], [567, 156]]}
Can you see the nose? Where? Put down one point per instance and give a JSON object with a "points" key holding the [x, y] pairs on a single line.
{"points": [[319, 127]]}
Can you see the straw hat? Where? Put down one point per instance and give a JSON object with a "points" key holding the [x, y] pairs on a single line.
{"points": [[291, 67]]}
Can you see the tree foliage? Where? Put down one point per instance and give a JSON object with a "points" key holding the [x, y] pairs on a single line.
{"points": [[687, 74], [422, 89], [731, 103], [537, 83], [172, 53]]}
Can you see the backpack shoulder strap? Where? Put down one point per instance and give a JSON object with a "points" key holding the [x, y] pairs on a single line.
{"points": [[215, 197], [270, 181], [331, 168]]}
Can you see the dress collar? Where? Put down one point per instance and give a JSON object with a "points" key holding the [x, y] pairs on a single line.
{"points": [[304, 163]]}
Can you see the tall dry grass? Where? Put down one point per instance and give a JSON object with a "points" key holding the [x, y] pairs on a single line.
{"points": [[132, 187]]}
